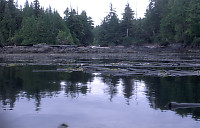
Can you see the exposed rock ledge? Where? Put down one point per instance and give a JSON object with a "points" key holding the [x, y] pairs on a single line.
{"points": [[44, 48]]}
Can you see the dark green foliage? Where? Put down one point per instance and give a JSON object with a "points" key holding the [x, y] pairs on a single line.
{"points": [[10, 21], [41, 29], [87, 29], [80, 26], [65, 37], [127, 22], [36, 7], [176, 21], [109, 32], [165, 22], [28, 32], [75, 26], [33, 25], [193, 20], [28, 10]]}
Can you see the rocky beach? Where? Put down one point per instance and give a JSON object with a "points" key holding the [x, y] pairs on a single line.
{"points": [[146, 60]]}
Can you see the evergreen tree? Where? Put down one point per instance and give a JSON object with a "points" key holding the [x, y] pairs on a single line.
{"points": [[80, 27], [28, 31], [127, 21], [2, 24], [10, 21], [67, 14], [28, 10], [2, 9], [177, 25], [65, 37], [87, 29], [127, 27], [166, 21], [193, 22], [153, 18], [109, 33], [36, 7]]}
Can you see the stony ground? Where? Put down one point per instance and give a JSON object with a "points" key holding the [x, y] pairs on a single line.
{"points": [[149, 60]]}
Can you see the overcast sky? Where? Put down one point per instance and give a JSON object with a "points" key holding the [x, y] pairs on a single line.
{"points": [[97, 9]]}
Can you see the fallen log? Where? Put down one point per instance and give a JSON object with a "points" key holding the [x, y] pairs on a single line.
{"points": [[175, 105]]}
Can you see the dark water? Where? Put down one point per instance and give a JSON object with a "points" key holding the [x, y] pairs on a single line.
{"points": [[90, 100]]}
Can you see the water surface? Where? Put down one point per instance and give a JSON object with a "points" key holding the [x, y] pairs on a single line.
{"points": [[39, 97]]}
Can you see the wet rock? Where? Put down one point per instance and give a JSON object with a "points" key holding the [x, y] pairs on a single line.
{"points": [[115, 61], [63, 126]]}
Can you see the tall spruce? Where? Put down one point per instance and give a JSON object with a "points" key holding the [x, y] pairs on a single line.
{"points": [[10, 21], [165, 22], [127, 21], [127, 26], [109, 32], [36, 7], [87, 29], [76, 27]]}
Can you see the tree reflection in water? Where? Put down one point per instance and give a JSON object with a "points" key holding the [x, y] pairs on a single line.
{"points": [[178, 89], [20, 82]]}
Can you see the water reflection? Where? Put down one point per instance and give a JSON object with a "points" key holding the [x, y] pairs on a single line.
{"points": [[77, 84], [113, 83], [20, 82], [179, 89]]}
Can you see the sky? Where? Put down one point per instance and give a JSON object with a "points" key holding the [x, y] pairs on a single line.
{"points": [[97, 9]]}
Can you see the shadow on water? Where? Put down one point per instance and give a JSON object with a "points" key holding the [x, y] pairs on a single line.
{"points": [[178, 89], [20, 82]]}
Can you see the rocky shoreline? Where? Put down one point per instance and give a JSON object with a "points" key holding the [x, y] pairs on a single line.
{"points": [[44, 48], [148, 60]]}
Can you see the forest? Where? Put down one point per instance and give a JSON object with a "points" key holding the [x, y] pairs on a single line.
{"points": [[165, 22]]}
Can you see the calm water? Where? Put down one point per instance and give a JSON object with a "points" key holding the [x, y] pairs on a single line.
{"points": [[31, 99]]}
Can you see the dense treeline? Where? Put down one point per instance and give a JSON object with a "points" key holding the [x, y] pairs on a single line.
{"points": [[171, 21], [165, 21], [33, 25]]}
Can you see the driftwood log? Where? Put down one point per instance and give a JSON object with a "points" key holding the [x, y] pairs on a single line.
{"points": [[175, 105]]}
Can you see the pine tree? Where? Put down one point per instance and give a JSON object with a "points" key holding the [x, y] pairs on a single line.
{"points": [[126, 26], [193, 22], [36, 6], [10, 21], [109, 30], [75, 26], [29, 31], [87, 29], [127, 21], [2, 24], [28, 10]]}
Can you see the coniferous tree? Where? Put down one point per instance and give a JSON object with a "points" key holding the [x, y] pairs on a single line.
{"points": [[193, 23], [2, 25], [76, 27], [36, 6], [10, 21], [127, 27], [127, 21], [165, 21], [152, 20], [29, 31], [176, 24], [87, 29], [109, 33], [28, 10], [80, 27]]}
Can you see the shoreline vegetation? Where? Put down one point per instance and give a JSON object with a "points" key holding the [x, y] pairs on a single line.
{"points": [[166, 22]]}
